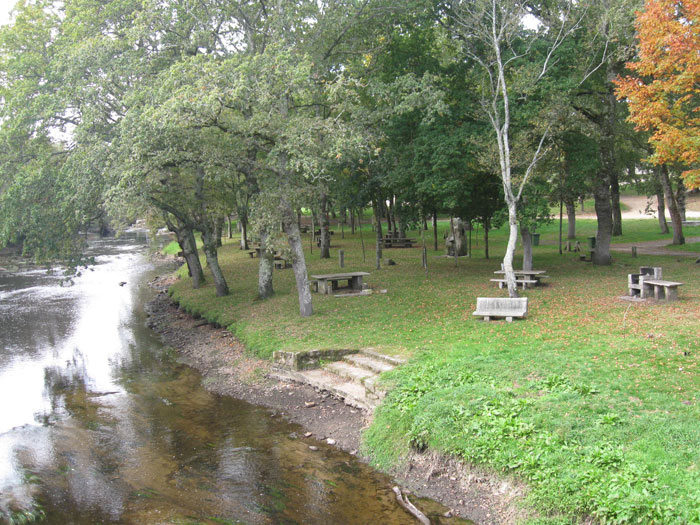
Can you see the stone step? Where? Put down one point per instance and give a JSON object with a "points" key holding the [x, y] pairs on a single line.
{"points": [[349, 371], [373, 391], [351, 393], [370, 363], [391, 359]]}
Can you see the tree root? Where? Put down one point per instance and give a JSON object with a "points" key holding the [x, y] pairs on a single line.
{"points": [[403, 501]]}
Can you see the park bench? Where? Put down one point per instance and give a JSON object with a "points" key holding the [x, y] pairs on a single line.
{"points": [[660, 289], [328, 283], [506, 307], [252, 253], [634, 280]]}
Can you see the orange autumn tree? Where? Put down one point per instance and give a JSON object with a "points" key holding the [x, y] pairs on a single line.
{"points": [[664, 91]]}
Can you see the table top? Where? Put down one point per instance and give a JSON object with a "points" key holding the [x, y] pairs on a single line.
{"points": [[522, 272], [340, 275]]}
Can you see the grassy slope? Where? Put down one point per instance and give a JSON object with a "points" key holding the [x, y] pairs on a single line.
{"points": [[592, 400]]}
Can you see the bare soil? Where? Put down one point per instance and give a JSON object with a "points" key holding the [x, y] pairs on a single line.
{"points": [[227, 369]]}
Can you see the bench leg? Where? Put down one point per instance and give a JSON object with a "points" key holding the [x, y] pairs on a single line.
{"points": [[671, 294], [509, 319], [501, 285], [487, 318], [658, 292]]}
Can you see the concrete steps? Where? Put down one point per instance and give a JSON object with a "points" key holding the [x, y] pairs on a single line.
{"points": [[353, 378]]}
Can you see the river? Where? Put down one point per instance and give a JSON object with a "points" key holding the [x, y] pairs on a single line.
{"points": [[99, 423]]}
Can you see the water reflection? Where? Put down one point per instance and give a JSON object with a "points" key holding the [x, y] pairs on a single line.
{"points": [[99, 423]]}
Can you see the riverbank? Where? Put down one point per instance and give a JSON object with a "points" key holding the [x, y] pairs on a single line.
{"points": [[227, 369]]}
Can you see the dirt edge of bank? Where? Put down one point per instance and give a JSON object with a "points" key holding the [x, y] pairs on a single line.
{"points": [[227, 369]]}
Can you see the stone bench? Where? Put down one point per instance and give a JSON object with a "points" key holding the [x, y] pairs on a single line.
{"points": [[660, 289], [502, 283], [252, 253], [506, 307], [635, 280]]}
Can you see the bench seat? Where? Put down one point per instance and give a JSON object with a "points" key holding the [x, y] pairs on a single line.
{"points": [[661, 289], [501, 307]]}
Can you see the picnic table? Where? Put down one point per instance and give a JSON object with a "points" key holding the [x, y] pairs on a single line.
{"points": [[327, 283], [522, 277], [397, 242]]}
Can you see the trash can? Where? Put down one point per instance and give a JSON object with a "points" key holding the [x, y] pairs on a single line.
{"points": [[591, 243], [535, 239]]}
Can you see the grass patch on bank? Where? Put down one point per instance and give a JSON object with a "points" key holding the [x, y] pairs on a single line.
{"points": [[593, 401]]}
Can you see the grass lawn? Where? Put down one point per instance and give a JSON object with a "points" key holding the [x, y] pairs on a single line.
{"points": [[592, 401]]}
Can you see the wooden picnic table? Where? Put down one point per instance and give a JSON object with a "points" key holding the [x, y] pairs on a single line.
{"points": [[327, 283]]}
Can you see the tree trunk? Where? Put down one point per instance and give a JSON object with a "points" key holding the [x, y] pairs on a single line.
{"points": [[570, 217], [379, 236], [398, 214], [527, 247], [243, 223], [661, 211], [265, 267], [435, 239], [615, 203], [676, 221], [186, 240], [352, 221], [486, 238], [457, 241], [603, 211], [606, 176], [680, 198], [210, 252], [219, 231], [298, 260], [510, 248], [325, 233], [229, 227]]}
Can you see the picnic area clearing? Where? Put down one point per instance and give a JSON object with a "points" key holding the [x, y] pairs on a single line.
{"points": [[592, 401]]}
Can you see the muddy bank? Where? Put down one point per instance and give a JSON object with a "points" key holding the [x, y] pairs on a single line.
{"points": [[228, 370]]}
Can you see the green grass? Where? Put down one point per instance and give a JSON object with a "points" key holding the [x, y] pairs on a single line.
{"points": [[593, 401], [172, 248]]}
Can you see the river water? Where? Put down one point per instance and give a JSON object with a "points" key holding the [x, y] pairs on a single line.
{"points": [[99, 423]]}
